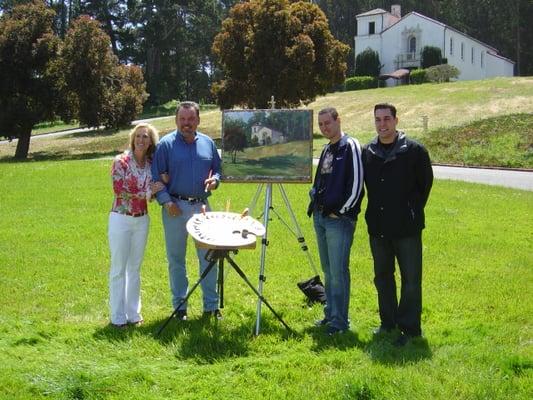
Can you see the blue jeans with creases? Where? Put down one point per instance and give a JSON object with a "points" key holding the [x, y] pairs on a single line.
{"points": [[334, 238], [176, 245]]}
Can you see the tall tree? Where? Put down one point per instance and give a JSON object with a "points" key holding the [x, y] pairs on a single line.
{"points": [[98, 89], [42, 77], [28, 48], [273, 47]]}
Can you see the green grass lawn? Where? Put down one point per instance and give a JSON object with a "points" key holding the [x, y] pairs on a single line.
{"points": [[55, 341]]}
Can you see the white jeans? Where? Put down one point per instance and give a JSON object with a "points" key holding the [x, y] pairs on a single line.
{"points": [[127, 241]]}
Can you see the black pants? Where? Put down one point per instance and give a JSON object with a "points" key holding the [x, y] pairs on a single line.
{"points": [[408, 251]]}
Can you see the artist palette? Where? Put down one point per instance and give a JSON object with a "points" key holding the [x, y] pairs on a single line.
{"points": [[224, 230]]}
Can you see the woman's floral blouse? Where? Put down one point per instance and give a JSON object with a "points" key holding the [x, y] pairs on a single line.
{"points": [[131, 184]]}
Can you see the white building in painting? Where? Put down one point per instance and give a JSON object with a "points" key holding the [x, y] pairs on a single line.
{"points": [[399, 40], [266, 135]]}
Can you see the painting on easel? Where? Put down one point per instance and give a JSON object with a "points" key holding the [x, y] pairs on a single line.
{"points": [[270, 146]]}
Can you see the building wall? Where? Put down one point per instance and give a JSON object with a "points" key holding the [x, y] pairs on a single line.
{"points": [[396, 42], [496, 66], [473, 61], [363, 24], [392, 45]]}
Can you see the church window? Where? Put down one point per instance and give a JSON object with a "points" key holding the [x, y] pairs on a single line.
{"points": [[412, 44]]}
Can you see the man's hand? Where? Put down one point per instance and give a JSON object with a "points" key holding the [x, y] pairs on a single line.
{"points": [[210, 184], [173, 209], [157, 187]]}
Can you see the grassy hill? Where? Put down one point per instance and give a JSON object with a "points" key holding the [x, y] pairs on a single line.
{"points": [[453, 108]]}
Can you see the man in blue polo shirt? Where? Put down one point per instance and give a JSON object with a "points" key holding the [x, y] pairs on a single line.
{"points": [[189, 162]]}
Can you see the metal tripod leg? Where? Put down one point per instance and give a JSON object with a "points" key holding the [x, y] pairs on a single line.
{"points": [[264, 244], [299, 235], [259, 295], [184, 300]]}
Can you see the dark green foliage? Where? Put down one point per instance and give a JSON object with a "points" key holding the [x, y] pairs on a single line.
{"points": [[431, 56], [418, 76], [44, 77], [273, 47], [27, 89], [234, 138], [360, 83], [367, 63], [97, 89]]}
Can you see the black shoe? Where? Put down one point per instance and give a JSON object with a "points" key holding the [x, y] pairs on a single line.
{"points": [[382, 331], [405, 338], [215, 313], [332, 331], [181, 315], [322, 322]]}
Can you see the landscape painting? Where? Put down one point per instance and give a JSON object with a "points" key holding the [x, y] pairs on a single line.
{"points": [[267, 145]]}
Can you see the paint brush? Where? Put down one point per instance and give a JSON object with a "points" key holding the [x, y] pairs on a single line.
{"points": [[208, 177]]}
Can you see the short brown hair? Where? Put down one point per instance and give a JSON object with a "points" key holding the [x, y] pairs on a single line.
{"points": [[385, 106], [331, 111], [189, 104]]}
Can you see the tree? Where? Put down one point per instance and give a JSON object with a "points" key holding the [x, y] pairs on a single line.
{"points": [[27, 87], [44, 77], [431, 56], [341, 15], [234, 139], [271, 47], [367, 63], [98, 90]]}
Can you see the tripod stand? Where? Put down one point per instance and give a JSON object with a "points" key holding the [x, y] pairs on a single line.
{"points": [[214, 256], [264, 242]]}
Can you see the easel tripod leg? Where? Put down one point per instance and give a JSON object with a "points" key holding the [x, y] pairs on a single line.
{"points": [[259, 295], [189, 293]]}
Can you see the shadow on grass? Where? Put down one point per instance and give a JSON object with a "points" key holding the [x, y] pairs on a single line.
{"points": [[60, 156], [204, 340], [322, 341], [381, 349]]}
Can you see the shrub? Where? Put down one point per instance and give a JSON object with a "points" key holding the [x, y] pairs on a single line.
{"points": [[360, 83], [418, 76], [442, 73], [431, 56], [367, 63]]}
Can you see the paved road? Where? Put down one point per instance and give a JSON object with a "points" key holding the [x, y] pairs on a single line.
{"points": [[508, 178], [78, 130]]}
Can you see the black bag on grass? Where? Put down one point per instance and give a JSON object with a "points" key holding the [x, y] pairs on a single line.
{"points": [[313, 289]]}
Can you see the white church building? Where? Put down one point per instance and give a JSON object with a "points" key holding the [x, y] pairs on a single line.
{"points": [[399, 41]]}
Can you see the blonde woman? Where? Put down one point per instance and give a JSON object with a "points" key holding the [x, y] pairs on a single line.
{"points": [[129, 222]]}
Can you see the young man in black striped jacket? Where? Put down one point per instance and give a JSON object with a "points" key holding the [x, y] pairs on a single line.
{"points": [[335, 203]]}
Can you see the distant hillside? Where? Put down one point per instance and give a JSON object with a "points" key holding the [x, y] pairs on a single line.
{"points": [[505, 141], [455, 104]]}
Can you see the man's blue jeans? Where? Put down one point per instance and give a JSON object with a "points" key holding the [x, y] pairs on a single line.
{"points": [[176, 245], [334, 238], [408, 251]]}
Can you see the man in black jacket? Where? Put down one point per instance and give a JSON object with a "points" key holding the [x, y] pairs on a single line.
{"points": [[398, 178], [335, 202]]}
